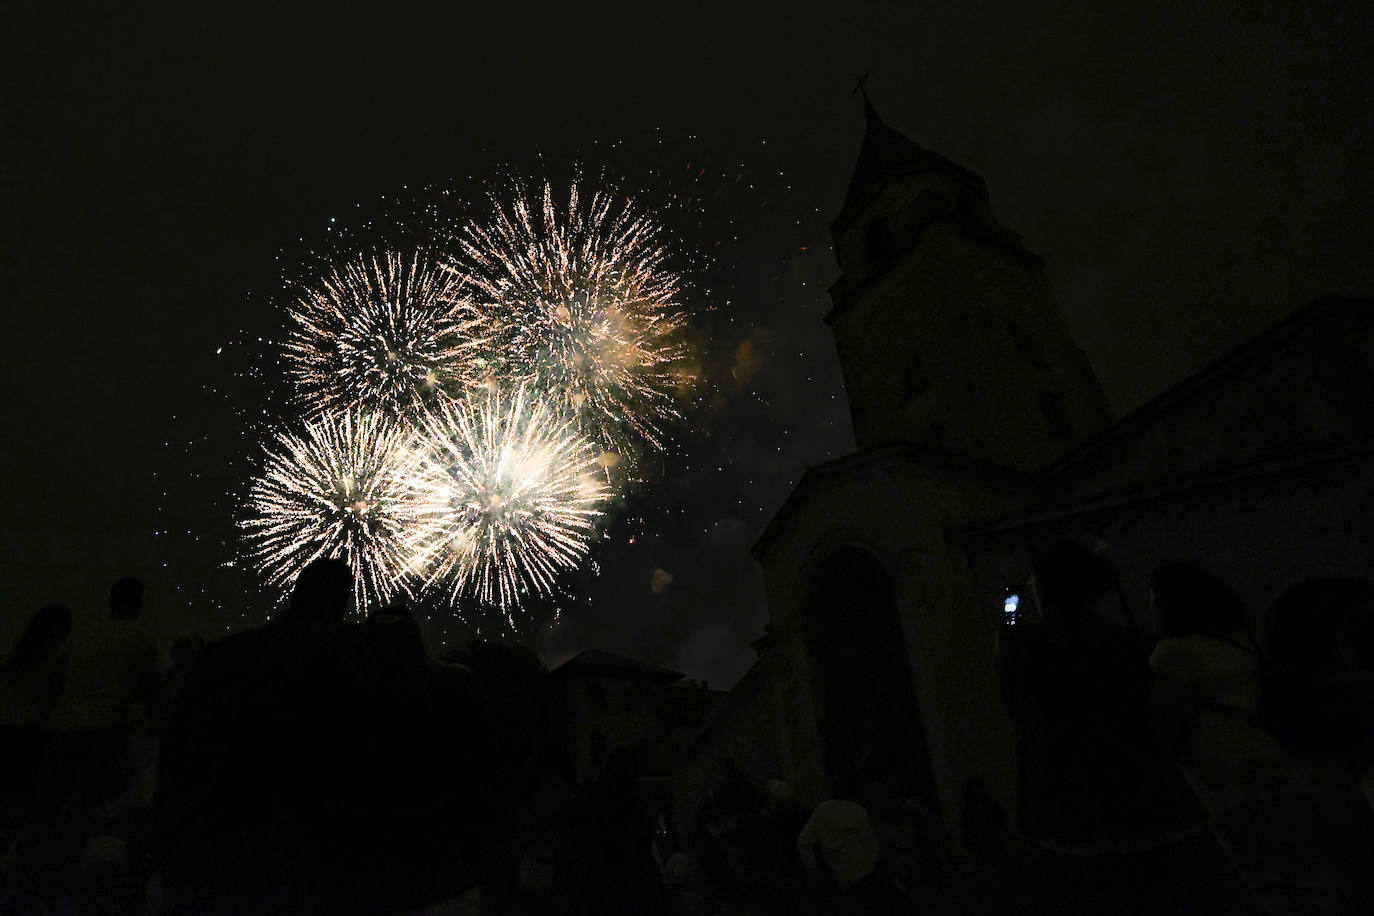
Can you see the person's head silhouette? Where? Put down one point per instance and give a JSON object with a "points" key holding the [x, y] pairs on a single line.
{"points": [[322, 591], [126, 599], [1071, 581], [395, 636], [1309, 627]]}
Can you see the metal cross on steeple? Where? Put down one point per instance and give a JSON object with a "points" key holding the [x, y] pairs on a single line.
{"points": [[859, 89]]}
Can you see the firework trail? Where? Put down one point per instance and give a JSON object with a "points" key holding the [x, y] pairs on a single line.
{"points": [[337, 489], [386, 333], [588, 309], [505, 496]]}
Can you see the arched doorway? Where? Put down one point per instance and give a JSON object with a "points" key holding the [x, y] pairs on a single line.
{"points": [[865, 698]]}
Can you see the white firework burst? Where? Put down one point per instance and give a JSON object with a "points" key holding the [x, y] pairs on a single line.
{"points": [[338, 488], [388, 333], [587, 305], [505, 496]]}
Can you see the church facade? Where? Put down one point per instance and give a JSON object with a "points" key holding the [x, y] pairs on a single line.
{"points": [[982, 434]]}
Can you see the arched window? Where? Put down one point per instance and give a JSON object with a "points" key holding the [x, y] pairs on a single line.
{"points": [[865, 694]]}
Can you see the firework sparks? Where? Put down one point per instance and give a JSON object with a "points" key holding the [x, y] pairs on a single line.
{"points": [[385, 333], [337, 489], [505, 496], [590, 307]]}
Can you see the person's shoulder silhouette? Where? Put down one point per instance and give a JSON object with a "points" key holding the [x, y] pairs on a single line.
{"points": [[112, 676], [1190, 600], [322, 593], [1077, 640], [247, 767], [1318, 688], [1078, 685], [32, 677]]}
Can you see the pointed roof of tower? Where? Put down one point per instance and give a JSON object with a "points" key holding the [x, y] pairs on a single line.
{"points": [[887, 154], [595, 661]]}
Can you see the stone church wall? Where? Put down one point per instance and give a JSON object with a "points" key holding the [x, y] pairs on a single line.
{"points": [[749, 729], [1260, 530], [1281, 396]]}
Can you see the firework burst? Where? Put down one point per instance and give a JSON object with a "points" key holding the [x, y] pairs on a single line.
{"points": [[336, 489], [505, 496], [388, 333], [589, 308]]}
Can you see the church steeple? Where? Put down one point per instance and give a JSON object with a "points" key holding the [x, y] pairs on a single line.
{"points": [[893, 171], [887, 155], [947, 330]]}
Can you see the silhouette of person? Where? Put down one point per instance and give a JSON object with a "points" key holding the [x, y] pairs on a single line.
{"points": [[685, 892], [112, 675], [396, 640], [252, 808], [1206, 667], [1208, 703], [733, 829], [607, 864], [838, 840], [181, 654], [532, 835], [1099, 796], [1303, 823], [1318, 693], [101, 722], [30, 683], [783, 819], [413, 791]]}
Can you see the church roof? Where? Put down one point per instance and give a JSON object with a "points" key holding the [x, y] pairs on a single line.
{"points": [[1252, 351], [1070, 473], [887, 154], [962, 467], [1077, 472], [752, 679], [607, 664]]}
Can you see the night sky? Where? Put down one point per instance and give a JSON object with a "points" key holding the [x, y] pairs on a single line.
{"points": [[1192, 172]]}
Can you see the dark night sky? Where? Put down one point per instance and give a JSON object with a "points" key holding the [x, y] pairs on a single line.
{"points": [[1191, 171]]}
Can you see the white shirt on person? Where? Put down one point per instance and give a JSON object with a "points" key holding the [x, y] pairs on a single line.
{"points": [[109, 670], [843, 835]]}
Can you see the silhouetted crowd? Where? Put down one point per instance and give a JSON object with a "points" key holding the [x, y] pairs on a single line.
{"points": [[1207, 774], [319, 765]]}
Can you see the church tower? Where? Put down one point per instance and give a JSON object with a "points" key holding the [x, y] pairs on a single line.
{"points": [[947, 330]]}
